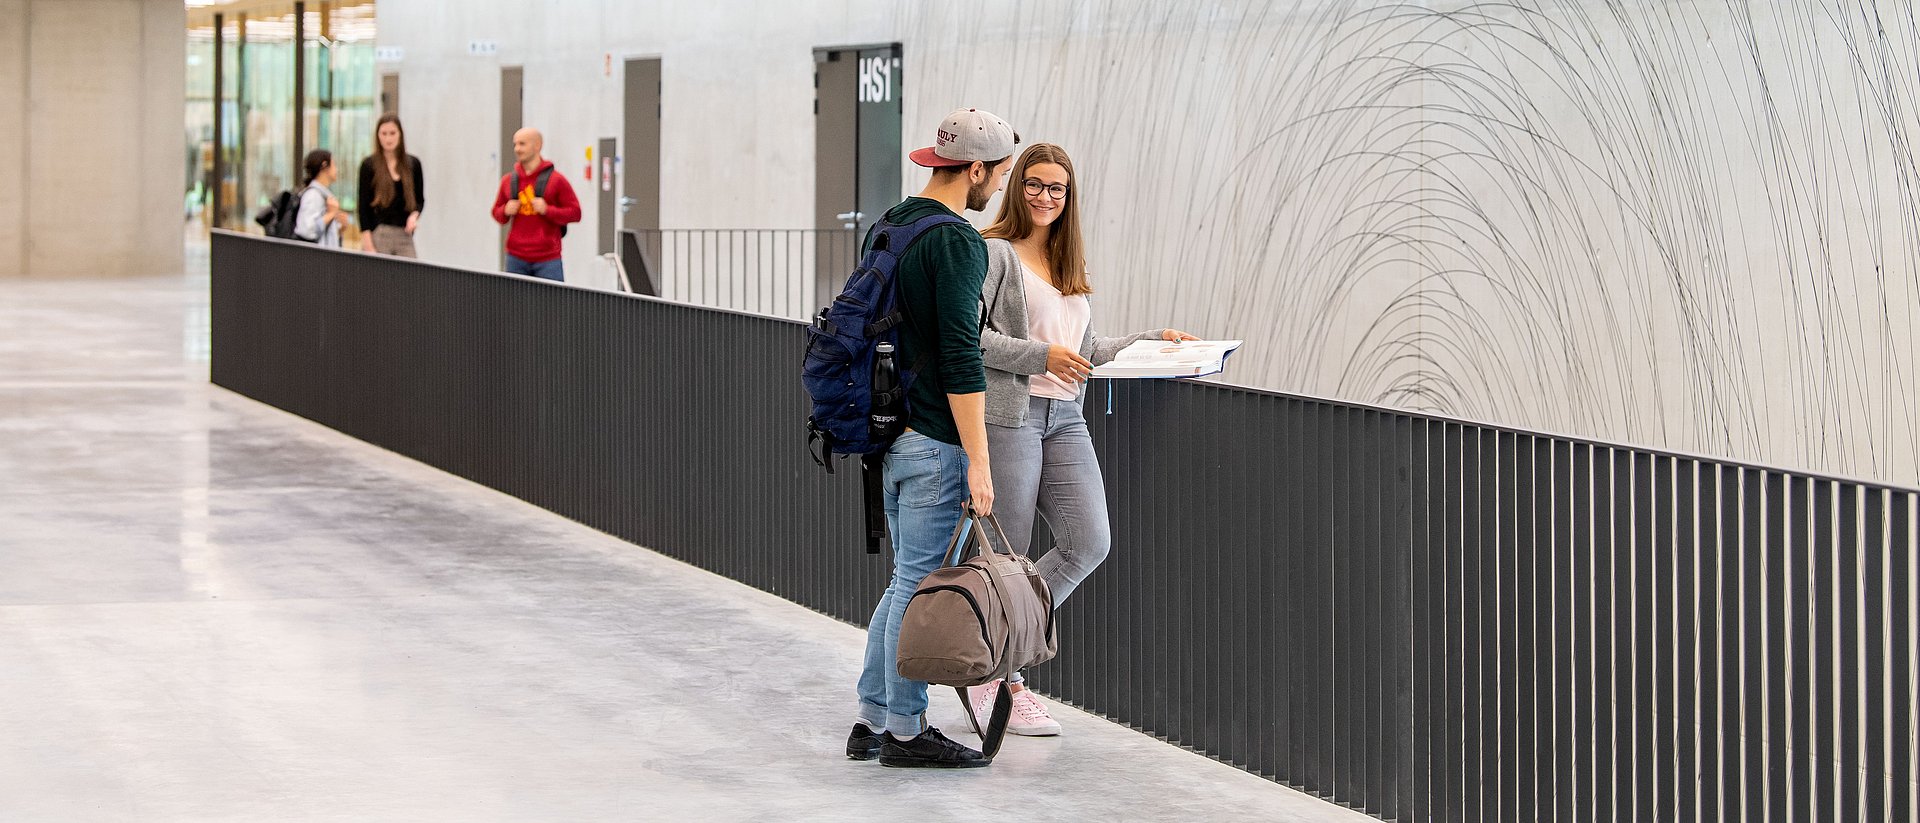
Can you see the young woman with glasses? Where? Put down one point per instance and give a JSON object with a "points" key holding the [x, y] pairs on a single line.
{"points": [[1039, 349]]}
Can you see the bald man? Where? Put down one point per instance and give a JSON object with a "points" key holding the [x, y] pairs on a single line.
{"points": [[540, 202]]}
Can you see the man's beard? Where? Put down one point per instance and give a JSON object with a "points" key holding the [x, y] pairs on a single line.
{"points": [[979, 194]]}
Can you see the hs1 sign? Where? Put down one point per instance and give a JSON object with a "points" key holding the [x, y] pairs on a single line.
{"points": [[876, 79]]}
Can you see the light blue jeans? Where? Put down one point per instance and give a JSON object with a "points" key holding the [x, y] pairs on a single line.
{"points": [[925, 484], [1048, 465]]}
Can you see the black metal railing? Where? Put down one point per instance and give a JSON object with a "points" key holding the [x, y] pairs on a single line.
{"points": [[780, 272], [1424, 618]]}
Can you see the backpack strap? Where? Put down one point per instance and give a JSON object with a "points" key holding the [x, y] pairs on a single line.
{"points": [[539, 181], [824, 456], [915, 230], [871, 473], [539, 187], [896, 239]]}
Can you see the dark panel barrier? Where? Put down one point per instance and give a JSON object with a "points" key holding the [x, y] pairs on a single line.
{"points": [[1424, 618]]}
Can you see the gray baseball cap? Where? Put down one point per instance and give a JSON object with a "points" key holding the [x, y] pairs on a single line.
{"points": [[965, 136]]}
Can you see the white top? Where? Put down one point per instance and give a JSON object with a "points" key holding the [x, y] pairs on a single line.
{"points": [[306, 221], [1058, 319]]}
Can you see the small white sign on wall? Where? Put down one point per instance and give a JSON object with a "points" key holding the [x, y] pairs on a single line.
{"points": [[482, 47], [389, 54]]}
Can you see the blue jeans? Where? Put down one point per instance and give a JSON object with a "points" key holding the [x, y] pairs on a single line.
{"points": [[925, 484], [549, 269]]}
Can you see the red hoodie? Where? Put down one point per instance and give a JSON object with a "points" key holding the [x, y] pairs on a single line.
{"points": [[535, 238]]}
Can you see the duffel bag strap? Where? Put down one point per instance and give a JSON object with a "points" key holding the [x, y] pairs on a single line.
{"points": [[996, 731], [962, 533]]}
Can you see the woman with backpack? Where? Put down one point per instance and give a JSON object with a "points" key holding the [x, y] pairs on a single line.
{"points": [[319, 218], [1039, 349], [392, 192]]}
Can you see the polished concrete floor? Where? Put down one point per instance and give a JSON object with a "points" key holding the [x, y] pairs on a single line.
{"points": [[212, 610]]}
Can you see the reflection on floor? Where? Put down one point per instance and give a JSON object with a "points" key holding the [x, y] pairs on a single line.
{"points": [[210, 609]]}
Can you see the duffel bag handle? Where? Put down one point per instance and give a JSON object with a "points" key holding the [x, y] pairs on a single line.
{"points": [[995, 523], [963, 534]]}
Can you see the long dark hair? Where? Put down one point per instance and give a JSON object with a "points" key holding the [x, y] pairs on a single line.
{"points": [[317, 160], [382, 181], [1066, 253]]}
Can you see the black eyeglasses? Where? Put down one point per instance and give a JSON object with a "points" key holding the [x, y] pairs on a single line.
{"points": [[1057, 191]]}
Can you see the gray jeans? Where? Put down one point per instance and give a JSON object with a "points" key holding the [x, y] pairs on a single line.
{"points": [[393, 240], [1048, 464]]}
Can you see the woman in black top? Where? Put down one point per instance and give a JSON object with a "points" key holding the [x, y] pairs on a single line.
{"points": [[392, 192]]}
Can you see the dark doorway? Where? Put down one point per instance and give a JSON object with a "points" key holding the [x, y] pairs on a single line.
{"points": [[640, 138], [512, 96], [857, 151]]}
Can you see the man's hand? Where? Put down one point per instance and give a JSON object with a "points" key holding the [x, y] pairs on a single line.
{"points": [[970, 416], [980, 486], [1067, 365], [539, 205], [1177, 336]]}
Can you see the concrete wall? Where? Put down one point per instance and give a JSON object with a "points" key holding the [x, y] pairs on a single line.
{"points": [[737, 133], [1677, 224], [92, 90]]}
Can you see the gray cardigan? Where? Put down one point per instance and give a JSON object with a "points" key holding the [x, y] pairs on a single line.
{"points": [[1009, 355]]}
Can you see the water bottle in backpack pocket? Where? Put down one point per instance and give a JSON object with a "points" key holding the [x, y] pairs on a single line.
{"points": [[887, 413]]}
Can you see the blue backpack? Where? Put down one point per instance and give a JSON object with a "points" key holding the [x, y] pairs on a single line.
{"points": [[844, 346]]}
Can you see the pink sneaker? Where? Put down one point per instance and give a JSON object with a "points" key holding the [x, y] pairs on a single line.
{"points": [[1029, 717], [980, 706]]}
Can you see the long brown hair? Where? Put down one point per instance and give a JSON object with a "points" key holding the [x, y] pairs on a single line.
{"points": [[1066, 252], [382, 180]]}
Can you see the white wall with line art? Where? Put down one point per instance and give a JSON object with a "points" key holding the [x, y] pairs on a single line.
{"points": [[1690, 225]]}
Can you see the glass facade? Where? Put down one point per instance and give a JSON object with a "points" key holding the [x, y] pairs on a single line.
{"points": [[261, 142]]}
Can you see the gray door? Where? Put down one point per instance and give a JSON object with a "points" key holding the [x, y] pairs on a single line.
{"points": [[640, 159], [604, 170], [512, 92], [857, 153], [390, 93], [879, 147], [836, 136]]}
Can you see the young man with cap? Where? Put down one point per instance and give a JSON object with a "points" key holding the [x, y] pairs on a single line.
{"points": [[940, 462]]}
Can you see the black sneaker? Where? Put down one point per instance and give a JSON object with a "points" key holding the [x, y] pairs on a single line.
{"points": [[864, 743], [931, 750]]}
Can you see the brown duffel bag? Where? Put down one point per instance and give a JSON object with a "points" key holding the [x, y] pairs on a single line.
{"points": [[979, 620]]}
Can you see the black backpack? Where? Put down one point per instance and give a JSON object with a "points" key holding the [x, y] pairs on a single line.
{"points": [[279, 215], [539, 187]]}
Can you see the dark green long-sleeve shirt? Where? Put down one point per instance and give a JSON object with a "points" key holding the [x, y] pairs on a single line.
{"points": [[939, 282]]}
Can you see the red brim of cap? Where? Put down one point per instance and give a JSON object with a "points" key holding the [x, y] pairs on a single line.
{"points": [[927, 157]]}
